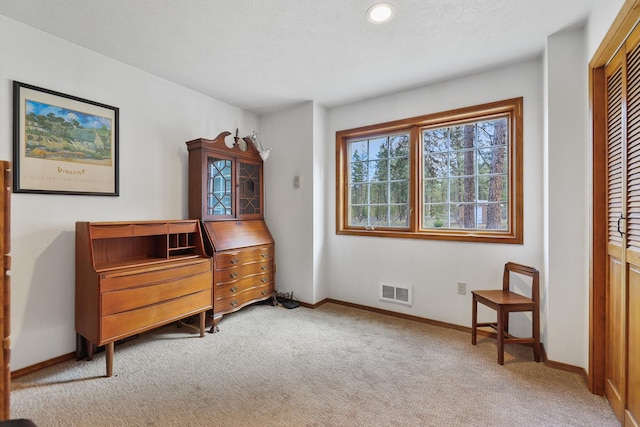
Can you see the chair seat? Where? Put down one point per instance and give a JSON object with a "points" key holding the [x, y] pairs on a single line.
{"points": [[500, 297]]}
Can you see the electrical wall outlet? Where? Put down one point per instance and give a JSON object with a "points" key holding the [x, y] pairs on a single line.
{"points": [[462, 288]]}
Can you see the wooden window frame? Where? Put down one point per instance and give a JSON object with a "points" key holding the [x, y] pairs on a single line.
{"points": [[512, 108]]}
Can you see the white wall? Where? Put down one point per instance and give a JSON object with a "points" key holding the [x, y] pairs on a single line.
{"points": [[357, 264], [289, 210], [566, 204], [297, 216], [600, 19], [156, 118], [320, 208]]}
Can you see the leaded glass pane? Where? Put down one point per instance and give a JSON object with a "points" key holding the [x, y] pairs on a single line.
{"points": [[219, 187], [249, 189]]}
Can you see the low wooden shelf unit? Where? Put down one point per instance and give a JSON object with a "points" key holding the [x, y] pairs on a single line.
{"points": [[135, 276]]}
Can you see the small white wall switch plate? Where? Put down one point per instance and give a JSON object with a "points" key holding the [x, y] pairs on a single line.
{"points": [[462, 288]]}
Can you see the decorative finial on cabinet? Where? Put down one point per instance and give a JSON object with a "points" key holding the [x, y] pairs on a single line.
{"points": [[255, 139]]}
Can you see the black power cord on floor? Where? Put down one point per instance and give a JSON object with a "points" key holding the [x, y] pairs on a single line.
{"points": [[287, 300]]}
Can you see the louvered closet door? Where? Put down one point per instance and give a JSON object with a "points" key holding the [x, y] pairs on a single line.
{"points": [[616, 144], [622, 370], [632, 407]]}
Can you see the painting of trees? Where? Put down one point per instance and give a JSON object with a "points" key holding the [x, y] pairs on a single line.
{"points": [[60, 134]]}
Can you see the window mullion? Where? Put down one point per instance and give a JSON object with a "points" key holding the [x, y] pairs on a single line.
{"points": [[476, 179], [388, 182], [448, 169], [415, 204]]}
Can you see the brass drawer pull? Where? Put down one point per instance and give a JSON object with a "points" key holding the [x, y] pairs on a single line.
{"points": [[234, 289], [265, 255], [234, 303], [264, 292], [264, 280], [234, 275], [263, 267], [234, 261]]}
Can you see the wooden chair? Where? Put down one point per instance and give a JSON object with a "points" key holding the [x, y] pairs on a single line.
{"points": [[504, 302]]}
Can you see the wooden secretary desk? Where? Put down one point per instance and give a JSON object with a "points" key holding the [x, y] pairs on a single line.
{"points": [[226, 193], [135, 276]]}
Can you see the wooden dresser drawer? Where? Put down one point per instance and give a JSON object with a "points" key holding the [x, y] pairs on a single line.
{"points": [[234, 302], [231, 259], [121, 279], [242, 271], [131, 322], [140, 296], [229, 289]]}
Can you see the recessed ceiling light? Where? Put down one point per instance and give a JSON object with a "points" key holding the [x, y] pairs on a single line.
{"points": [[380, 13]]}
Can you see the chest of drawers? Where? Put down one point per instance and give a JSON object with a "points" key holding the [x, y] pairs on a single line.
{"points": [[244, 266]]}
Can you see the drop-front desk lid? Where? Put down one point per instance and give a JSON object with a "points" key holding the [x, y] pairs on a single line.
{"points": [[225, 235]]}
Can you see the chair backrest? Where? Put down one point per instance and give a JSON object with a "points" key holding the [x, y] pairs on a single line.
{"points": [[512, 267]]}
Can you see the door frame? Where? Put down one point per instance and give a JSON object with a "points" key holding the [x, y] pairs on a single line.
{"points": [[625, 21]]}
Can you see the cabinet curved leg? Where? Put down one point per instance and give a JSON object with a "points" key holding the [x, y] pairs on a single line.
{"points": [[214, 325]]}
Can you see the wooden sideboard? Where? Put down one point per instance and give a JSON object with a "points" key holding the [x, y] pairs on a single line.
{"points": [[135, 276]]}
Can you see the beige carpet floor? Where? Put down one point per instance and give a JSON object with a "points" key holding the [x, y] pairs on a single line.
{"points": [[330, 366]]}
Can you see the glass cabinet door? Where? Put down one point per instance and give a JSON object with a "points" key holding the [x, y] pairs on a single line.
{"points": [[250, 189], [225, 182], [219, 186]]}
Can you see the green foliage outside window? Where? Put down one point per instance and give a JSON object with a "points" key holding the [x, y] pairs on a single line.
{"points": [[379, 181], [455, 175]]}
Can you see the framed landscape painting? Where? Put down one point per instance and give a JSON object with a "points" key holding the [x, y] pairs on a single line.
{"points": [[63, 144]]}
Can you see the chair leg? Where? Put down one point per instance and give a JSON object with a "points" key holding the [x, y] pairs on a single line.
{"points": [[536, 334], [500, 336], [474, 320], [505, 322]]}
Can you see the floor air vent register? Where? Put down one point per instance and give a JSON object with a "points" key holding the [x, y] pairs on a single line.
{"points": [[395, 293]]}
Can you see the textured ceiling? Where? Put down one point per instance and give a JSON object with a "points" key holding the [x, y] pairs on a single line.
{"points": [[263, 55]]}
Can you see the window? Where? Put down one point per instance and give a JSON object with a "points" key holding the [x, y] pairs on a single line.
{"points": [[379, 181], [455, 175]]}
